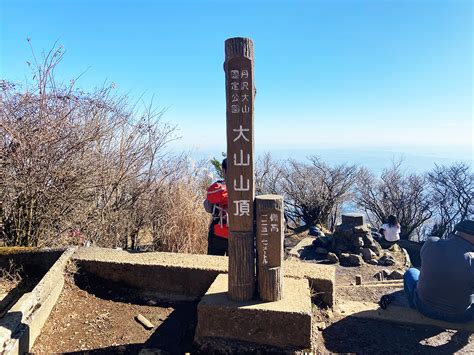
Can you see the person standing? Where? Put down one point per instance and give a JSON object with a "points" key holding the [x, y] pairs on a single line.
{"points": [[216, 203]]}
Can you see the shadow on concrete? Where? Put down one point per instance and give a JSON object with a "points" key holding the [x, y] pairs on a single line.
{"points": [[20, 331], [368, 336]]}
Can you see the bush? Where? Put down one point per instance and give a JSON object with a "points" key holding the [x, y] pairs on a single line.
{"points": [[452, 194], [80, 167], [403, 195]]}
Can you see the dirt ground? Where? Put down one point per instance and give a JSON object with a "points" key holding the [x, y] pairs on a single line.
{"points": [[336, 334], [97, 316], [94, 316], [366, 336]]}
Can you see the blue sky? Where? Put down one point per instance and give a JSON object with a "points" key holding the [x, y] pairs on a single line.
{"points": [[328, 73]]}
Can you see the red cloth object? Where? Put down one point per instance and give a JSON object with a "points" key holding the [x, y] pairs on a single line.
{"points": [[217, 195], [221, 231]]}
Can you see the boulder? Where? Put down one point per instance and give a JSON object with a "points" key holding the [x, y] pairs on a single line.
{"points": [[343, 231], [358, 242], [314, 231], [350, 259], [322, 241], [376, 248], [407, 258], [396, 275], [318, 243], [332, 258], [363, 230], [386, 260], [372, 262], [321, 250], [368, 254], [395, 248]]}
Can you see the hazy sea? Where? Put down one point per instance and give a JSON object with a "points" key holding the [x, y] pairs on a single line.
{"points": [[414, 159]]}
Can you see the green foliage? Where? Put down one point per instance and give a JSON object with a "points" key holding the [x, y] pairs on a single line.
{"points": [[217, 164]]}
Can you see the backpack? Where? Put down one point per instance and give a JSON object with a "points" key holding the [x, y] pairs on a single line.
{"points": [[217, 195]]}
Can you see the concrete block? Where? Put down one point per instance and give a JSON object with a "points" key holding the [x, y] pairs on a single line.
{"points": [[353, 219], [24, 320], [177, 276], [167, 276], [396, 314], [322, 278], [282, 324]]}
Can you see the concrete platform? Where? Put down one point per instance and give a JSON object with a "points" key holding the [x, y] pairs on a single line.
{"points": [[24, 320], [395, 313], [166, 276], [321, 278], [187, 276], [282, 324]]}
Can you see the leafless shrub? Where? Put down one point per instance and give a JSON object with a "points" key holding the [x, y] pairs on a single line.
{"points": [[315, 192], [452, 194], [89, 167], [403, 195], [268, 175]]}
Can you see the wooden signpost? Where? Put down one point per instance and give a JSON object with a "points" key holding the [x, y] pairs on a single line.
{"points": [[270, 233], [240, 93]]}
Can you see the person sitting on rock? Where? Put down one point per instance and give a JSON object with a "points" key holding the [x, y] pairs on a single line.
{"points": [[391, 230], [444, 288], [216, 203]]}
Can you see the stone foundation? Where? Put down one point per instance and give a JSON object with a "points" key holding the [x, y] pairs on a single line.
{"points": [[283, 324]]}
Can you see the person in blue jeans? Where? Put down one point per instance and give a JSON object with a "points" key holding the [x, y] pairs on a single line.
{"points": [[444, 288]]}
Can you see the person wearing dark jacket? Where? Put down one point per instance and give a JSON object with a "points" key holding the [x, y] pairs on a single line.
{"points": [[444, 287]]}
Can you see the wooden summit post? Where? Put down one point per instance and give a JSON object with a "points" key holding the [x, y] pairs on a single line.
{"points": [[240, 93], [270, 236]]}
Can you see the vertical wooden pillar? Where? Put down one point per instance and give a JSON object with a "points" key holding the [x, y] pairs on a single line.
{"points": [[270, 236], [240, 91]]}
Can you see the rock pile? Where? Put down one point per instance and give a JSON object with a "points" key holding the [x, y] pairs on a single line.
{"points": [[352, 243]]}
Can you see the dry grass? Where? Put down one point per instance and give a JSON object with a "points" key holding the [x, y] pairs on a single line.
{"points": [[181, 223], [10, 277]]}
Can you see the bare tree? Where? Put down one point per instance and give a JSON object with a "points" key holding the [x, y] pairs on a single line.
{"points": [[268, 175], [405, 196], [315, 192], [78, 165], [452, 192]]}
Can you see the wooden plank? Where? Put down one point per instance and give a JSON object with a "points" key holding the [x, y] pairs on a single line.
{"points": [[240, 93]]}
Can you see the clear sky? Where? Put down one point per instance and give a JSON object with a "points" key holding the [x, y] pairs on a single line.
{"points": [[328, 73]]}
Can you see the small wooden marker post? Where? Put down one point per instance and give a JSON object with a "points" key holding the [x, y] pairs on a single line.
{"points": [[270, 235], [240, 93]]}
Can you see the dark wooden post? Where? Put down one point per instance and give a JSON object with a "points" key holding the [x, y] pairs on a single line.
{"points": [[240, 91], [270, 235]]}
